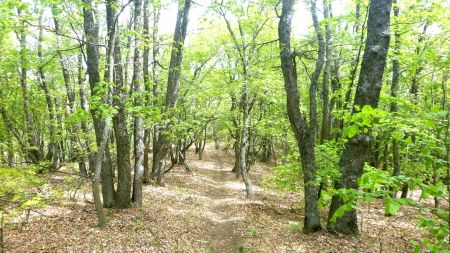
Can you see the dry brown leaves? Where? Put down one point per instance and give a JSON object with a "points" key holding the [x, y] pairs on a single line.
{"points": [[205, 212]]}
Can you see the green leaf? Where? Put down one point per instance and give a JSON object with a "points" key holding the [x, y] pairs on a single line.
{"points": [[431, 123], [391, 206], [408, 140], [324, 199], [341, 211], [352, 131], [435, 108], [397, 135]]}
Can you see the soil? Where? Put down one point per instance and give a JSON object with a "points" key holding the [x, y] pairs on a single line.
{"points": [[204, 211]]}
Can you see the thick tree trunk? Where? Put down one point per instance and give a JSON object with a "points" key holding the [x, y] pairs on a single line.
{"points": [[173, 82], [123, 194], [93, 57], [367, 93]]}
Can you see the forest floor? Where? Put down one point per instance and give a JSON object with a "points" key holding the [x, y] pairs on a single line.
{"points": [[205, 211]]}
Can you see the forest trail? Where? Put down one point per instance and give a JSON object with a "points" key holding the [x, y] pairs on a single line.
{"points": [[217, 198], [205, 211]]}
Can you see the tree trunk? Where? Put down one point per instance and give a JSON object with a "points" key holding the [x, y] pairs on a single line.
{"points": [[305, 136], [394, 91], [326, 116], [1, 234], [33, 149], [70, 96], [53, 144], [145, 67], [237, 137], [155, 52], [84, 125], [414, 89], [173, 82], [138, 102], [92, 52], [10, 150], [367, 93], [237, 155], [123, 194], [202, 143], [96, 179], [348, 94], [243, 166], [215, 135]]}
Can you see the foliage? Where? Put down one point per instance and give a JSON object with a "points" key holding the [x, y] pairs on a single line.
{"points": [[378, 184], [22, 190], [288, 176], [233, 46]]}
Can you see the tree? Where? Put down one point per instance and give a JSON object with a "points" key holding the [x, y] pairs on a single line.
{"points": [[367, 94], [304, 133], [394, 90], [93, 57], [121, 134], [138, 119], [173, 82]]}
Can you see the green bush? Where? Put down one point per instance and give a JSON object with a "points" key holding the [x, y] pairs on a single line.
{"points": [[21, 190]]}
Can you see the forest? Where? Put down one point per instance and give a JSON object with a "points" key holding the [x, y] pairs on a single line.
{"points": [[224, 126]]}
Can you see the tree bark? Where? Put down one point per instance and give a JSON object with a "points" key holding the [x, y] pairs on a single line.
{"points": [[138, 102], [145, 67], [394, 91], [75, 153], [97, 174], [173, 82], [244, 168], [155, 75], [53, 149], [305, 136], [326, 116], [367, 93], [123, 194], [348, 94], [92, 52], [414, 89], [33, 146], [84, 125]]}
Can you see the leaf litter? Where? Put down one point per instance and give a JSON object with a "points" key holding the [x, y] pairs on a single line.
{"points": [[205, 211]]}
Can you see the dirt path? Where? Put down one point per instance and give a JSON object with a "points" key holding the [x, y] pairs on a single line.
{"points": [[216, 192], [205, 211]]}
